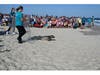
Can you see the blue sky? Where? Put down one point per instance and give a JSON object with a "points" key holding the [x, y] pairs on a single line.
{"points": [[56, 9]]}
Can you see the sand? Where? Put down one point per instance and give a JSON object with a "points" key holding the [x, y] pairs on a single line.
{"points": [[71, 49]]}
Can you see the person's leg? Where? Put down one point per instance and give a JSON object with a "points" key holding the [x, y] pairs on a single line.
{"points": [[9, 29], [93, 23], [79, 24], [19, 36], [23, 31], [13, 24]]}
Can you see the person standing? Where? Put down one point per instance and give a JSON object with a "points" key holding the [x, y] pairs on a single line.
{"points": [[79, 21], [89, 22], [83, 22], [19, 23], [92, 20], [12, 20]]}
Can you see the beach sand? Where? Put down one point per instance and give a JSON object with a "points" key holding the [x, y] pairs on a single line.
{"points": [[71, 49]]}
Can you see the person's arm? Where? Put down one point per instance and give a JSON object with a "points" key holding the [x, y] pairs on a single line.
{"points": [[22, 18]]}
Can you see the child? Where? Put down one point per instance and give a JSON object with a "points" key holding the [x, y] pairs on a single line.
{"points": [[19, 23]]}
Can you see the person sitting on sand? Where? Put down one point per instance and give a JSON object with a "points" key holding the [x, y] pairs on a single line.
{"points": [[43, 22], [1, 17], [66, 22], [72, 20], [53, 22], [58, 23], [19, 23], [70, 23], [79, 22], [4, 20], [75, 24], [33, 20], [83, 22], [38, 22]]}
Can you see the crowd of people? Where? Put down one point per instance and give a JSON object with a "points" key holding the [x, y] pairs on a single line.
{"points": [[61, 22], [48, 21]]}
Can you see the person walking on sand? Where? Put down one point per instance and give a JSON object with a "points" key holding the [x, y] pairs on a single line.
{"points": [[19, 23]]}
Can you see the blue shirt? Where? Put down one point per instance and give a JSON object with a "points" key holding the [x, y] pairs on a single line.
{"points": [[89, 20], [18, 19]]}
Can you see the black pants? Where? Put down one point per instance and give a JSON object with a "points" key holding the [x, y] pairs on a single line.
{"points": [[21, 31]]}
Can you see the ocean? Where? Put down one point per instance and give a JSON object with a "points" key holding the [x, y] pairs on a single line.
{"points": [[97, 22]]}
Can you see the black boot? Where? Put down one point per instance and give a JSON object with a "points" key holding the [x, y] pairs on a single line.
{"points": [[19, 40]]}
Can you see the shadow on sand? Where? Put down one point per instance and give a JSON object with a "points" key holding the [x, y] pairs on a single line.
{"points": [[45, 38], [95, 31], [1, 45]]}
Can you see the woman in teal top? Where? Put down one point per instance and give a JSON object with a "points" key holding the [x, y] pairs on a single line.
{"points": [[19, 23]]}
